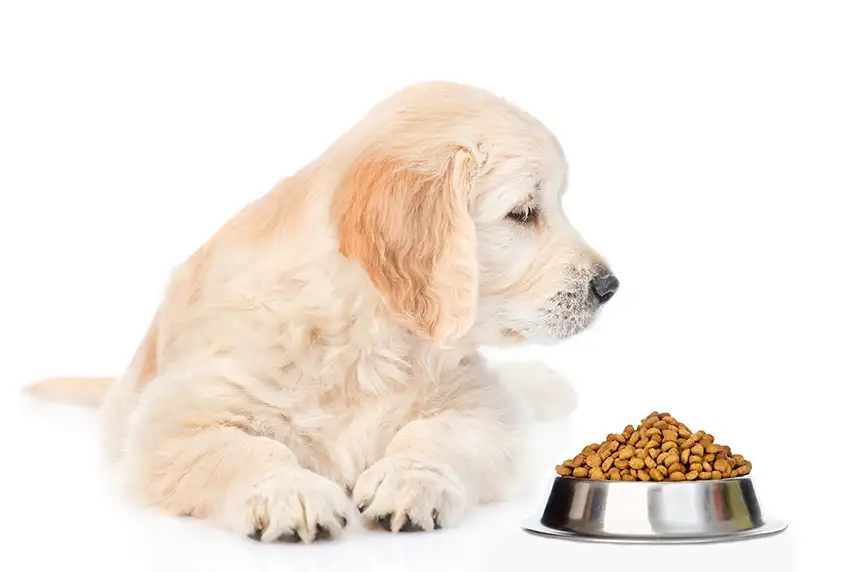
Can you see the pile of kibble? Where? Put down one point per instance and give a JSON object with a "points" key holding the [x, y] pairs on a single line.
{"points": [[660, 449]]}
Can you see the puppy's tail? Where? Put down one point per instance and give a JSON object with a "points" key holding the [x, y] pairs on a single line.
{"points": [[84, 391]]}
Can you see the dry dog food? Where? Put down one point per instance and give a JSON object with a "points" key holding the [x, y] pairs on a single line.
{"points": [[660, 449]]}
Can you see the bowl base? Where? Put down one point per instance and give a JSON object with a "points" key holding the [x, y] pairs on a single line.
{"points": [[771, 526]]}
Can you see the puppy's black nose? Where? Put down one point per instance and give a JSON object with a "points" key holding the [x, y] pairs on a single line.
{"points": [[604, 286]]}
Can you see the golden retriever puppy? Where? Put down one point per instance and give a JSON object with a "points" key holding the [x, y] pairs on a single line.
{"points": [[319, 353]]}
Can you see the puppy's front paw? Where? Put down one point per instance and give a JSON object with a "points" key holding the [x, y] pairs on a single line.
{"points": [[405, 495], [290, 504]]}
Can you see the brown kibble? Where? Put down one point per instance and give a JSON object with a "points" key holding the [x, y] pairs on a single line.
{"points": [[670, 435], [676, 467], [659, 448]]}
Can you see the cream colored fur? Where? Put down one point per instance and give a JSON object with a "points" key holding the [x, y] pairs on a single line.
{"points": [[320, 352]]}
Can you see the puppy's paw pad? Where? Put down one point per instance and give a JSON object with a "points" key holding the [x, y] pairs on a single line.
{"points": [[403, 495], [290, 505], [288, 538], [386, 522]]}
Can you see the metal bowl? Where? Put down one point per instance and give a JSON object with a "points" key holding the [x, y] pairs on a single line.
{"points": [[637, 511]]}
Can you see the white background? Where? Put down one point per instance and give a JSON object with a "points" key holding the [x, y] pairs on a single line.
{"points": [[709, 153]]}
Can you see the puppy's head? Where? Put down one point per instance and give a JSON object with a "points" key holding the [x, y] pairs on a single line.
{"points": [[451, 202]]}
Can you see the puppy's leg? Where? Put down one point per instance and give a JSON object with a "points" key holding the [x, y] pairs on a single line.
{"points": [[192, 450], [437, 466]]}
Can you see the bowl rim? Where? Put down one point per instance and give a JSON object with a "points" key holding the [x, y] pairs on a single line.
{"points": [[666, 482]]}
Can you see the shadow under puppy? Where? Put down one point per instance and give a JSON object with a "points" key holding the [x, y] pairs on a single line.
{"points": [[319, 353]]}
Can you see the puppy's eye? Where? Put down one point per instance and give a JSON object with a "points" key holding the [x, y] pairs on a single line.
{"points": [[525, 215]]}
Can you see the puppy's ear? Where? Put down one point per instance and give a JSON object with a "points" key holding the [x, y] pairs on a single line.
{"points": [[408, 224]]}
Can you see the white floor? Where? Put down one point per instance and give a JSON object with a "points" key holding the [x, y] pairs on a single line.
{"points": [[62, 512]]}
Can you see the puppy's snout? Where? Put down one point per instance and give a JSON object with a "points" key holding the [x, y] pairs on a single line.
{"points": [[604, 286]]}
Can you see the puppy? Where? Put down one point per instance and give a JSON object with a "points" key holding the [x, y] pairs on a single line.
{"points": [[320, 351]]}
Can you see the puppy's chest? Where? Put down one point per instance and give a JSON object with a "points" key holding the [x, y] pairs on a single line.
{"points": [[341, 393], [340, 438]]}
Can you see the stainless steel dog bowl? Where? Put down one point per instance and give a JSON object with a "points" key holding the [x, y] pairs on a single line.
{"points": [[653, 512]]}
